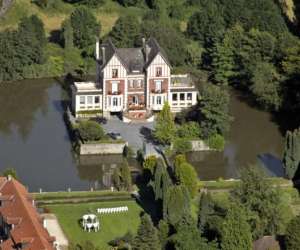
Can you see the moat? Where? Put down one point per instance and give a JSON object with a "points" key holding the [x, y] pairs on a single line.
{"points": [[34, 140]]}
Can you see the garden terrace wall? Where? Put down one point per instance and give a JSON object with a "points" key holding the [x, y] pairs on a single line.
{"points": [[102, 148], [199, 145]]}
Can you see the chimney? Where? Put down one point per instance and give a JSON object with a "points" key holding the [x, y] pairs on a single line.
{"points": [[45, 223], [9, 177], [145, 49], [97, 49], [103, 55]]}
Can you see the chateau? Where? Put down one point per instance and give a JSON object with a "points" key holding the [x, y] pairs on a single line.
{"points": [[135, 82]]}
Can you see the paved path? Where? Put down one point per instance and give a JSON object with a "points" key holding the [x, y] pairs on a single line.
{"points": [[138, 135], [55, 230]]}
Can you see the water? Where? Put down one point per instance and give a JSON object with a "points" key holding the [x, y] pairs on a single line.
{"points": [[253, 139], [34, 140]]}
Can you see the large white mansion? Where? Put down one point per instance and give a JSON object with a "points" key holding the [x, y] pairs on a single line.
{"points": [[134, 82]]}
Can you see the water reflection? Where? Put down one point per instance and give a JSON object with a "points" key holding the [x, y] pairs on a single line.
{"points": [[19, 104], [252, 135], [98, 169]]}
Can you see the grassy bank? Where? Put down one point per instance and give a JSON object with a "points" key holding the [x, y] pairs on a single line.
{"points": [[111, 225], [53, 17]]}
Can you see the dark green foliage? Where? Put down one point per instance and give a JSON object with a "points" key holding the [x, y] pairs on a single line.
{"points": [[123, 242], [176, 204], [162, 181], [127, 3], [292, 237], [266, 86], [147, 235], [166, 33], [205, 211], [260, 201], [22, 48], [90, 131], [67, 31], [188, 237], [165, 127], [186, 175], [214, 110], [10, 172], [122, 177], [291, 157], [125, 32], [207, 25], [90, 3], [85, 27], [150, 163], [163, 232], [235, 231]]}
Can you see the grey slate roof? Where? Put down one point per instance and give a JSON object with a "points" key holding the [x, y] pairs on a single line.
{"points": [[133, 59]]}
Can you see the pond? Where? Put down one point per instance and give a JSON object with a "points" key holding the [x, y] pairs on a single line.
{"points": [[34, 140]]}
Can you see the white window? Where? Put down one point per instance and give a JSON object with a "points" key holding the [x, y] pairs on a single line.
{"points": [[158, 86], [130, 83], [139, 83], [135, 100], [97, 100], [158, 100], [89, 100], [115, 73], [153, 102], [82, 99], [189, 96], [115, 101], [114, 87]]}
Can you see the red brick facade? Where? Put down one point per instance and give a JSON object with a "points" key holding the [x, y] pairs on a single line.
{"points": [[164, 85], [121, 86]]}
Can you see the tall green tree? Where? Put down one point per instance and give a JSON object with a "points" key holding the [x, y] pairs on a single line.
{"points": [[165, 126], [235, 230], [291, 157], [214, 110], [68, 34], [126, 31], [147, 236], [205, 211], [176, 204], [186, 175], [261, 202], [85, 27], [292, 236]]}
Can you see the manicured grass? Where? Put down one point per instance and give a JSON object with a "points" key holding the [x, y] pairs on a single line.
{"points": [[111, 225]]}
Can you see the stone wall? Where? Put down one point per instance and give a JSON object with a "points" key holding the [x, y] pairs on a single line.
{"points": [[101, 148], [199, 145]]}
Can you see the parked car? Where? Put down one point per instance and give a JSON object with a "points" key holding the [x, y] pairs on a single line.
{"points": [[115, 136]]}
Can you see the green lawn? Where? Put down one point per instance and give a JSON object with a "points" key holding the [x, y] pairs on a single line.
{"points": [[111, 225]]}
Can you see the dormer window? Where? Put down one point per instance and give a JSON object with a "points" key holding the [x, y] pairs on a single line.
{"points": [[158, 71], [115, 73]]}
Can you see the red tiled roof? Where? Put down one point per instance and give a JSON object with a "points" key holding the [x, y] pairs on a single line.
{"points": [[20, 212]]}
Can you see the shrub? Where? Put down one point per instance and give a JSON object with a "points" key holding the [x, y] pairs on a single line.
{"points": [[181, 145], [189, 130], [216, 142], [150, 163], [90, 131], [292, 238], [10, 172]]}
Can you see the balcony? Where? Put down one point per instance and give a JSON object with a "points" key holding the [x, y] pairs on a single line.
{"points": [[158, 91], [140, 106], [115, 92]]}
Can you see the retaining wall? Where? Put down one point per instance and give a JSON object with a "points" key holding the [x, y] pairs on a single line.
{"points": [[199, 145], [102, 148]]}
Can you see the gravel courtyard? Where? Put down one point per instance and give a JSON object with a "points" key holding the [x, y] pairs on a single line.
{"points": [[134, 133]]}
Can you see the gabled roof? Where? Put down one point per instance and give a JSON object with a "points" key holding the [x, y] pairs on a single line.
{"points": [[27, 229], [133, 59]]}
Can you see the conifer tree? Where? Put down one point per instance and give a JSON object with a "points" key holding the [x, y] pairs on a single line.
{"points": [[165, 125], [292, 237], [235, 231], [291, 158], [147, 235], [205, 210]]}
